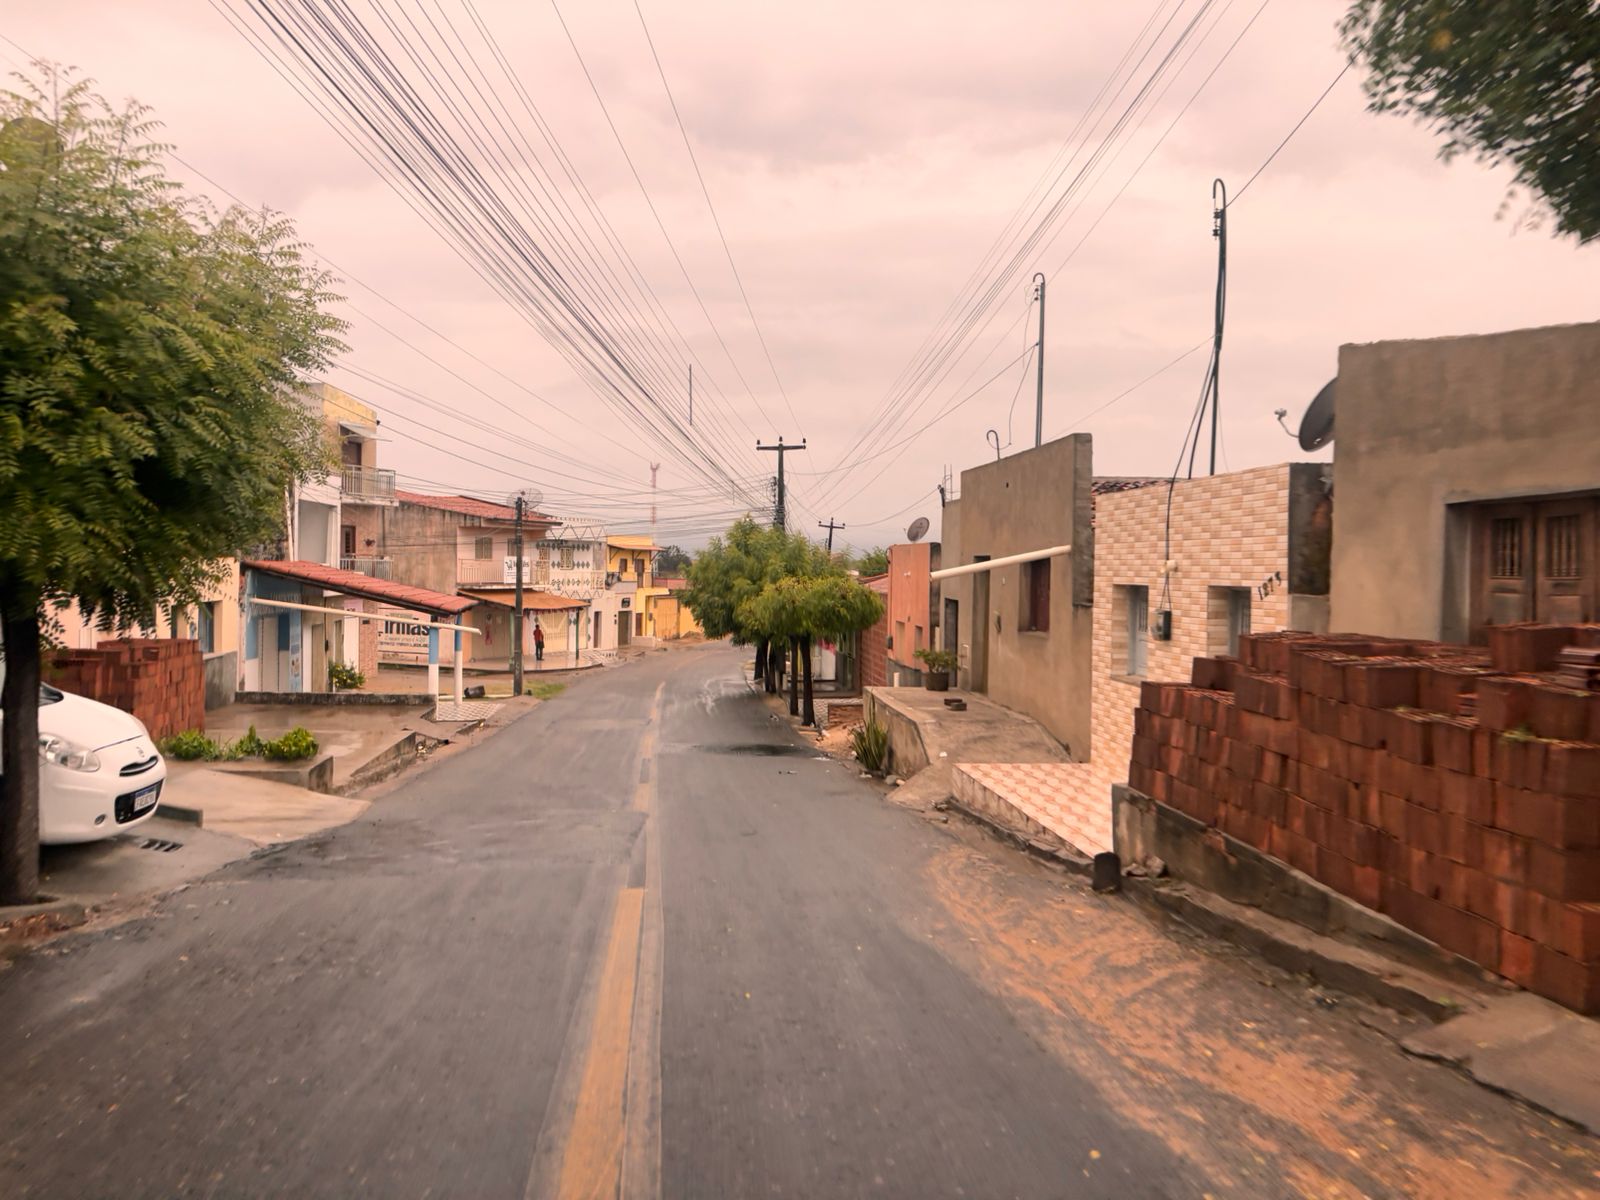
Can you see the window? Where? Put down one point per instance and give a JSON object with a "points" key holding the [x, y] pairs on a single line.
{"points": [[1561, 547], [1132, 624], [483, 548], [1227, 617], [347, 540], [1506, 555], [638, 568], [566, 558], [1036, 596], [208, 627]]}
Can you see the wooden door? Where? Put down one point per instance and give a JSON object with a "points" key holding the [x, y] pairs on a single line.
{"points": [[1564, 580], [1535, 561]]}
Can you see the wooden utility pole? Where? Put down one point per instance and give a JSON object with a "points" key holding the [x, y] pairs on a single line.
{"points": [[830, 526], [780, 513]]}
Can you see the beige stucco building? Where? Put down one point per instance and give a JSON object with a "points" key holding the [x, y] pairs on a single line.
{"points": [[1022, 632], [1246, 551], [1468, 472]]}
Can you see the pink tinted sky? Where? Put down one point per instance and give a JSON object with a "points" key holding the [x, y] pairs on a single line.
{"points": [[862, 159]]}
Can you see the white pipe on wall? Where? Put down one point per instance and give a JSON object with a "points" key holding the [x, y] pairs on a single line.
{"points": [[1009, 560]]}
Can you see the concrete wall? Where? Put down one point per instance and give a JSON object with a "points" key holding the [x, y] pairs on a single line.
{"points": [[221, 678], [1029, 501], [1423, 425]]}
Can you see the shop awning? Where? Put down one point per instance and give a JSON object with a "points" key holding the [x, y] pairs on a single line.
{"points": [[531, 601], [354, 583]]}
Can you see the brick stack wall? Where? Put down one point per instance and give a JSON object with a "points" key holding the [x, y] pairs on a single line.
{"points": [[1457, 790], [162, 681], [875, 652]]}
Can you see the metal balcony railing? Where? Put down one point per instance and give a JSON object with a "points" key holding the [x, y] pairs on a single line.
{"points": [[378, 568], [366, 483]]}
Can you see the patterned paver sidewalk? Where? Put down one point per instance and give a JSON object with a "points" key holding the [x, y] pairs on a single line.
{"points": [[1054, 795]]}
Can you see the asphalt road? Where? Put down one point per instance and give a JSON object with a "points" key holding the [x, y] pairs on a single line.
{"points": [[645, 942]]}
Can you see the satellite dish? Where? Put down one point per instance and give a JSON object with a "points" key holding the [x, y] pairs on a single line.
{"points": [[1316, 427], [918, 528], [531, 497]]}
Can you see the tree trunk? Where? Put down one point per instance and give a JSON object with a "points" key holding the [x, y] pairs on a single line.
{"points": [[809, 716], [794, 677], [761, 659], [774, 661], [19, 759]]}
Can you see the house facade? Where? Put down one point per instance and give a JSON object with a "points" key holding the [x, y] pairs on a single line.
{"points": [[1022, 628], [1469, 483], [630, 573]]}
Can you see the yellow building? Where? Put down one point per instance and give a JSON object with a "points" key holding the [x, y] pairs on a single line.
{"points": [[630, 566]]}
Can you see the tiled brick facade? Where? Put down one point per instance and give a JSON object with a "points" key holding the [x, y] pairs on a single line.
{"points": [[1228, 531]]}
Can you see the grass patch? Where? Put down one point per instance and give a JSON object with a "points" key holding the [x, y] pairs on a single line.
{"points": [[544, 691]]}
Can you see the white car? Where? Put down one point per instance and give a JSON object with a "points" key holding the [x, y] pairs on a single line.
{"points": [[100, 773]]}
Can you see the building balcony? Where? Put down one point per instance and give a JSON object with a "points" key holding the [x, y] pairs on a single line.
{"points": [[501, 570], [366, 485], [378, 568]]}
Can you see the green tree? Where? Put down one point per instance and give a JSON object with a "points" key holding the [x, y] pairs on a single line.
{"points": [[873, 562], [1513, 83], [671, 560], [799, 609], [736, 567], [149, 352]]}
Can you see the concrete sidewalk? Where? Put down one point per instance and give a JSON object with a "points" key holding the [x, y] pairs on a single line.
{"points": [[260, 811]]}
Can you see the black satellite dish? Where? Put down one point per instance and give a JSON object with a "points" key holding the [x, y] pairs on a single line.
{"points": [[918, 528], [1316, 427]]}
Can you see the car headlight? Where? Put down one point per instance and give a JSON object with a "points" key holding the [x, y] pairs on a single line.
{"points": [[66, 754]]}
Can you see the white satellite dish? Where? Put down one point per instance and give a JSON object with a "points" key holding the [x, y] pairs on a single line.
{"points": [[531, 498], [919, 527]]}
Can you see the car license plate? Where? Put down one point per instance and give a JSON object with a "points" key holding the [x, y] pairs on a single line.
{"points": [[146, 797]]}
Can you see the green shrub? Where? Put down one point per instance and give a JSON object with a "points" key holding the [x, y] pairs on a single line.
{"points": [[191, 746], [345, 679], [297, 743], [249, 746], [871, 745], [938, 660]]}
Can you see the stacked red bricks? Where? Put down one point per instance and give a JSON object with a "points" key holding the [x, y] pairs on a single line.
{"points": [[1455, 789], [159, 680]]}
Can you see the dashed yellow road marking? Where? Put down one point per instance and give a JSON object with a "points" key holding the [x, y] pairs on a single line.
{"points": [[591, 1163]]}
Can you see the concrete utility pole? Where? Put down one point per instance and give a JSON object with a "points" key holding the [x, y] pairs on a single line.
{"points": [[1219, 230], [516, 619], [780, 513], [830, 527], [1038, 411], [654, 467]]}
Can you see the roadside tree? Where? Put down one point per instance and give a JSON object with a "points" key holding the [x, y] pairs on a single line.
{"points": [[149, 349], [1513, 83]]}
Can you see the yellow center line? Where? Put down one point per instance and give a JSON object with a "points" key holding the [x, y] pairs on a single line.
{"points": [[591, 1163]]}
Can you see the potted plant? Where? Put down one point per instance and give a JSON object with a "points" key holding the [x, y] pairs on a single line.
{"points": [[939, 664]]}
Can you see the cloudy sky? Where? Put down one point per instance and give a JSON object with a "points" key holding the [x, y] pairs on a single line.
{"points": [[863, 160]]}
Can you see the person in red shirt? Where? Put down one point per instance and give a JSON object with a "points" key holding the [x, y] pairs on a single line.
{"points": [[538, 642]]}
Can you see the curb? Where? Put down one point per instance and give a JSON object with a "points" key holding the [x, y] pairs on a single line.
{"points": [[22, 922], [1346, 968], [182, 812], [1064, 857]]}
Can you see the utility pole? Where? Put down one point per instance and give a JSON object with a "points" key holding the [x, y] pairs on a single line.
{"points": [[1038, 410], [517, 619], [780, 514], [830, 527], [654, 467], [1219, 230]]}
